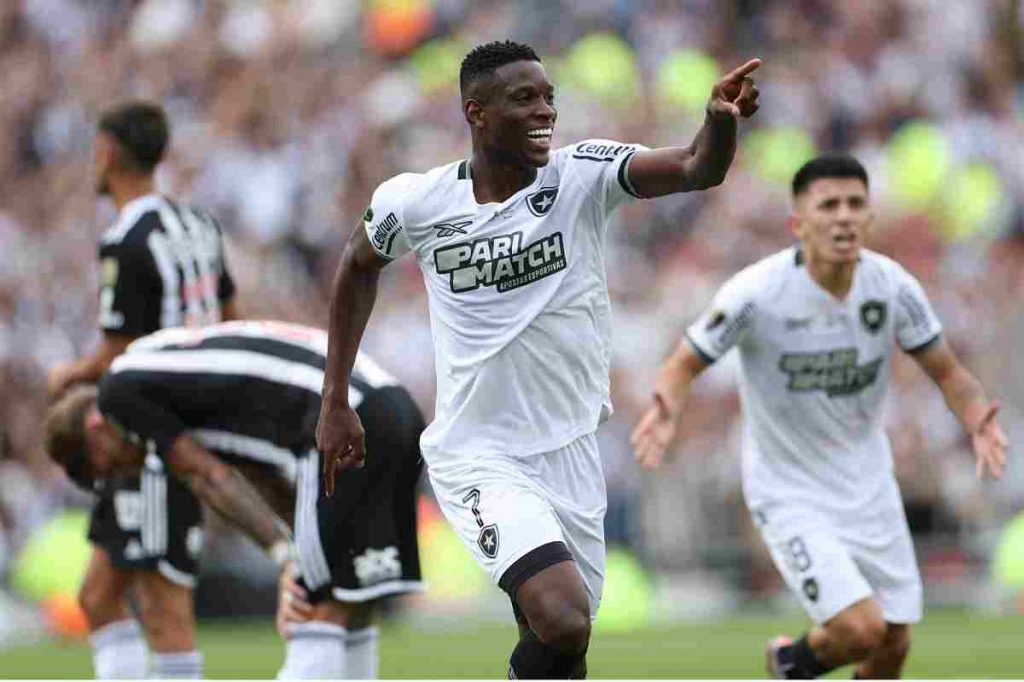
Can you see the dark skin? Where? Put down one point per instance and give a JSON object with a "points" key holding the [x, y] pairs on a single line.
{"points": [[511, 116]]}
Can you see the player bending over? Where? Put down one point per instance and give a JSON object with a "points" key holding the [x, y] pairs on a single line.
{"points": [[815, 326], [210, 403], [511, 245]]}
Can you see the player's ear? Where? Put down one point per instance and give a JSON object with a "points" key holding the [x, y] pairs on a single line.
{"points": [[93, 420], [793, 223], [474, 111]]}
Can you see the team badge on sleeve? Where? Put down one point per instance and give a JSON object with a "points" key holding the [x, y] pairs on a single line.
{"points": [[873, 315]]}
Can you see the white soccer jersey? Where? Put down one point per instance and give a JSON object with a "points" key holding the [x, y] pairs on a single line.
{"points": [[814, 372], [519, 304]]}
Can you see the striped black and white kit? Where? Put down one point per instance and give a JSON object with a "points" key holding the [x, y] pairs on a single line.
{"points": [[250, 391]]}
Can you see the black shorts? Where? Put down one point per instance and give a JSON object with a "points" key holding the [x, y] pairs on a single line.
{"points": [[149, 522], [360, 544]]}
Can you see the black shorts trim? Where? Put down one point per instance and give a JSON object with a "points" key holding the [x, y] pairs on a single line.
{"points": [[532, 563]]}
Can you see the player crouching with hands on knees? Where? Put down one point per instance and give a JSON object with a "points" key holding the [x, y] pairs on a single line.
{"points": [[209, 404]]}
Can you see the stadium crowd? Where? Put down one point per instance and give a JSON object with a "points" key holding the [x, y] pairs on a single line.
{"points": [[286, 115]]}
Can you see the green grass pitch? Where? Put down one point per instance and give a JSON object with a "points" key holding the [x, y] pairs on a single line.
{"points": [[947, 645]]}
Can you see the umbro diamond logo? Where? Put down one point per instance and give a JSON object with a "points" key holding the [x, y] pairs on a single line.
{"points": [[449, 229], [541, 201]]}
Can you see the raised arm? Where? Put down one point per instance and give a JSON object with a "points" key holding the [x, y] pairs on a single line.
{"points": [[227, 491], [966, 400], [660, 424], [706, 160], [339, 434]]}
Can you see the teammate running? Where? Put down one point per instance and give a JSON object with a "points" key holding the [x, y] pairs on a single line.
{"points": [[161, 265], [511, 246], [815, 326], [210, 403]]}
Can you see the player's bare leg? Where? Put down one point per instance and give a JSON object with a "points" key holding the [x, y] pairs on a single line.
{"points": [[887, 661], [854, 634], [578, 673], [118, 648], [168, 618], [555, 607]]}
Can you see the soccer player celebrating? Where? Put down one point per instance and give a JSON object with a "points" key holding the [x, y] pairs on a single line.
{"points": [[815, 326], [161, 265], [230, 409], [510, 243]]}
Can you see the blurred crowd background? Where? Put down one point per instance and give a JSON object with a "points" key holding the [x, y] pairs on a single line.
{"points": [[287, 114]]}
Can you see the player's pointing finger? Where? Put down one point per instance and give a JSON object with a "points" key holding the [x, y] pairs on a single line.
{"points": [[741, 72]]}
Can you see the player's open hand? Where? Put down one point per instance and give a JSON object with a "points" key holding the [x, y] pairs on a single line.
{"points": [[735, 95], [292, 601], [990, 444], [655, 432], [339, 437]]}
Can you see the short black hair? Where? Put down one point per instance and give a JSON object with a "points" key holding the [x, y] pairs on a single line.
{"points": [[829, 165], [484, 59], [141, 130]]}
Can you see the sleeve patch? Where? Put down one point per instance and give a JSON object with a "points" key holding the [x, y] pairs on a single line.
{"points": [[384, 232]]}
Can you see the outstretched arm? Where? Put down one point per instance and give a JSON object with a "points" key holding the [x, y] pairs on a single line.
{"points": [[339, 434], [705, 162], [966, 399], [660, 424], [228, 492]]}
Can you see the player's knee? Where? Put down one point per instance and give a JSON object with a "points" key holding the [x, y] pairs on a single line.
{"points": [[864, 636], [563, 625]]}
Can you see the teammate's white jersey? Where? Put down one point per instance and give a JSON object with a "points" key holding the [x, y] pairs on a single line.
{"points": [[519, 304], [814, 372]]}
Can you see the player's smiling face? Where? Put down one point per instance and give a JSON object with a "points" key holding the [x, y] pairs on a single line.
{"points": [[517, 118], [832, 219]]}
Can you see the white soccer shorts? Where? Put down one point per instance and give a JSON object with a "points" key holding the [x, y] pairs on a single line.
{"points": [[504, 507], [829, 566]]}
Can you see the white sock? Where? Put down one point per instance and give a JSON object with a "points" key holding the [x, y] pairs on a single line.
{"points": [[361, 657], [314, 650], [186, 665], [119, 651]]}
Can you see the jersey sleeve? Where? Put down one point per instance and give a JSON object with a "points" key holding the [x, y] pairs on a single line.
{"points": [[601, 167], [131, 289], [917, 325], [135, 406], [726, 322], [384, 219]]}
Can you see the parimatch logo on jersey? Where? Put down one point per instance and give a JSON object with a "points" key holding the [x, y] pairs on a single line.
{"points": [[502, 262], [836, 372]]}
